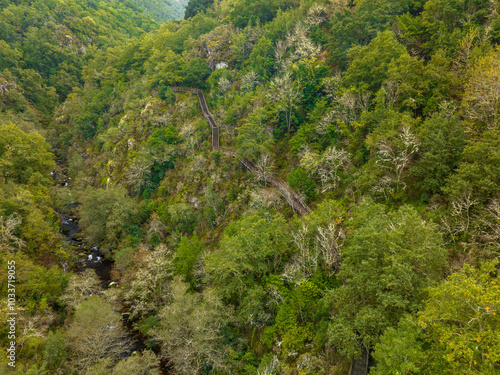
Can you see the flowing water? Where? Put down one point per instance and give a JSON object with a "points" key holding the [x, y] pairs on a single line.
{"points": [[90, 257]]}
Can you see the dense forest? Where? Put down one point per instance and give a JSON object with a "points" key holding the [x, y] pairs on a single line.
{"points": [[130, 245]]}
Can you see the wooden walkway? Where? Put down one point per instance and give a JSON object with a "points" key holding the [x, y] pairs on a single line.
{"points": [[204, 111], [288, 193], [359, 366]]}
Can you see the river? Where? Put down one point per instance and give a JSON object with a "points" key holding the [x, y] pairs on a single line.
{"points": [[90, 257]]}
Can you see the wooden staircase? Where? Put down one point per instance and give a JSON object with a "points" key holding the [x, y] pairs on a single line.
{"points": [[288, 193], [359, 366]]}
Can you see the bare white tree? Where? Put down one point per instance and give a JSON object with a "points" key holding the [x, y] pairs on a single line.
{"points": [[249, 81], [270, 368], [327, 166], [330, 241], [224, 84], [137, 174], [319, 246], [396, 156], [95, 333], [264, 167], [8, 239], [317, 14], [489, 228], [332, 84], [338, 5], [150, 287], [80, 287], [280, 55], [302, 46], [191, 139], [191, 329], [265, 198], [286, 93], [347, 107], [156, 227], [461, 207]]}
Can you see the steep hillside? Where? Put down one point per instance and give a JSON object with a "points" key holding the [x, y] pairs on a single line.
{"points": [[346, 218], [159, 10], [44, 46]]}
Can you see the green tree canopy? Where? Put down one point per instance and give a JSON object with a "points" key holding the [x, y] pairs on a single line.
{"points": [[388, 261]]}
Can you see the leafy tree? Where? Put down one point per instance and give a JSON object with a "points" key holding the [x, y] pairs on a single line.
{"points": [[195, 6], [461, 321], [400, 350], [55, 350], [478, 174], [442, 141], [38, 288], [23, 156], [245, 12], [414, 86], [359, 25], [253, 136], [293, 326], [299, 180], [187, 253], [195, 72], [181, 217], [105, 214], [369, 65], [250, 249], [145, 363], [456, 333], [388, 262], [438, 26], [261, 59], [482, 94], [168, 135], [166, 93]]}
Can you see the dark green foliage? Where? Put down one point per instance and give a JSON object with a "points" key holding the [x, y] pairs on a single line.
{"points": [[442, 142], [168, 135], [247, 253], [55, 350], [299, 180], [46, 44], [245, 12], [294, 326], [385, 268], [479, 173], [181, 218], [195, 72], [166, 94], [105, 215], [368, 99], [187, 253], [369, 65], [195, 6], [359, 25], [438, 26], [261, 58]]}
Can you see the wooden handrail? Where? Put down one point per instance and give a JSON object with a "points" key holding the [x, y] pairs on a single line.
{"points": [[291, 196]]}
